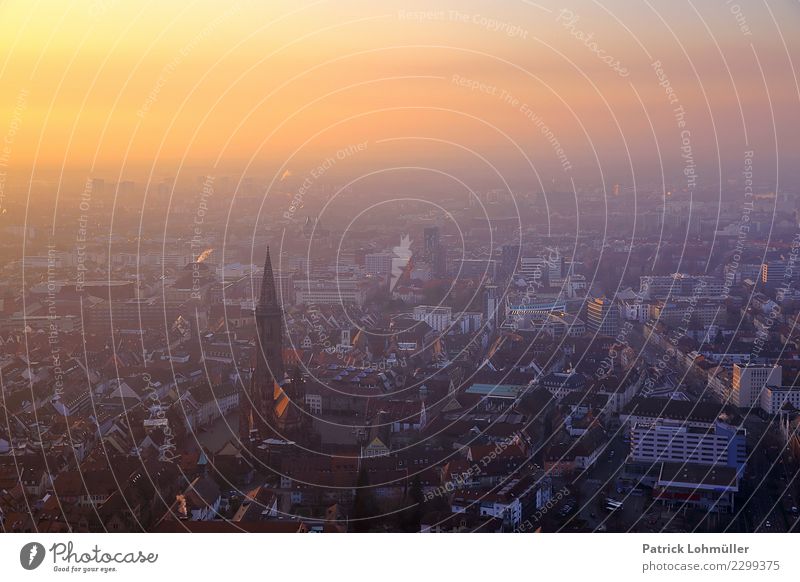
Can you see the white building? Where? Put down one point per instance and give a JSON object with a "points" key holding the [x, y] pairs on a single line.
{"points": [[507, 503], [535, 270], [635, 310], [749, 381], [774, 397], [674, 442], [339, 292], [439, 318], [469, 321]]}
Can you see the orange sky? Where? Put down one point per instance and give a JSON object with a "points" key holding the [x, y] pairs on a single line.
{"points": [[100, 85]]}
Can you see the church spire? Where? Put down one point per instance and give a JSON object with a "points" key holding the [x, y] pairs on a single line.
{"points": [[269, 298], [257, 405]]}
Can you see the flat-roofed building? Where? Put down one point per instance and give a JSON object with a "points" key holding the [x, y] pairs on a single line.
{"points": [[680, 285], [602, 316], [319, 292], [750, 380], [378, 264], [438, 317], [675, 442], [774, 398], [709, 487]]}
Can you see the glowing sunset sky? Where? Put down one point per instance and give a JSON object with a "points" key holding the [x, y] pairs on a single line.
{"points": [[104, 85]]}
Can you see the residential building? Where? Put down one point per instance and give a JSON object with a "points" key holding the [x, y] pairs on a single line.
{"points": [[774, 398], [438, 317], [750, 380]]}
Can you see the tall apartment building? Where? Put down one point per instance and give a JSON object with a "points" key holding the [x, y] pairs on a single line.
{"points": [[492, 304], [749, 381]]}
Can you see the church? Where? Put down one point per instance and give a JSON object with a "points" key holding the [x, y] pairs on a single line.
{"points": [[273, 407]]}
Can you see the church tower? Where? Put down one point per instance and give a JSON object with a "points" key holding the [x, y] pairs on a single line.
{"points": [[274, 406], [269, 320], [256, 405]]}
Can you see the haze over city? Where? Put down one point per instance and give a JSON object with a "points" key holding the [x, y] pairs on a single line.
{"points": [[376, 267], [134, 91]]}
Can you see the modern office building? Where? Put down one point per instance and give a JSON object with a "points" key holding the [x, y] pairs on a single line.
{"points": [[378, 264], [773, 274], [602, 316], [673, 441], [535, 271], [342, 292]]}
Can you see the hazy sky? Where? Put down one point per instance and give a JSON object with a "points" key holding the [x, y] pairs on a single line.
{"points": [[110, 86]]}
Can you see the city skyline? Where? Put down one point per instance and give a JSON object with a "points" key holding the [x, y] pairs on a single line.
{"points": [[391, 267]]}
